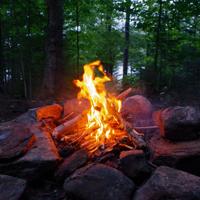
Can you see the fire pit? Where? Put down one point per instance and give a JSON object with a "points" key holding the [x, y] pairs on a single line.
{"points": [[101, 146], [100, 127]]}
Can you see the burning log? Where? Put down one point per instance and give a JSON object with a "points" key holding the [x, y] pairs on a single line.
{"points": [[65, 118], [69, 126], [124, 94], [137, 139]]}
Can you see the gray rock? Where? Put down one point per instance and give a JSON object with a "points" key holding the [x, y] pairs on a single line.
{"points": [[183, 155], [40, 159], [134, 164], [70, 164], [53, 111], [168, 183], [27, 118], [44, 190], [179, 123], [75, 106], [11, 188], [99, 182], [137, 110], [15, 141]]}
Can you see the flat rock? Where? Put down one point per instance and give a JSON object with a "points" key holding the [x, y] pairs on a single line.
{"points": [[40, 159], [183, 155], [134, 164], [179, 123], [53, 111], [99, 182], [27, 118], [71, 163], [11, 188], [15, 141], [137, 110], [168, 183]]}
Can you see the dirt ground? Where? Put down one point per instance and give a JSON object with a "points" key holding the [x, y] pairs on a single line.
{"points": [[11, 108]]}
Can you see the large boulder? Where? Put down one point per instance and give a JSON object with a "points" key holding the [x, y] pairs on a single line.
{"points": [[41, 158], [11, 188], [25, 119], [178, 123], [15, 141], [73, 107], [137, 110], [70, 164], [134, 164], [99, 182], [44, 190], [169, 183], [183, 155]]}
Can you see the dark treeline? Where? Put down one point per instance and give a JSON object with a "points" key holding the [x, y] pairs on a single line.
{"points": [[43, 44]]}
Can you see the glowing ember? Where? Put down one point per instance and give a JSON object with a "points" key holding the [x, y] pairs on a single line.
{"points": [[104, 127]]}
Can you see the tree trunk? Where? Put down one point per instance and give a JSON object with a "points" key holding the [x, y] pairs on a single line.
{"points": [[1, 58], [54, 71], [157, 46], [109, 64], [29, 63], [110, 53], [77, 37], [126, 49], [23, 73]]}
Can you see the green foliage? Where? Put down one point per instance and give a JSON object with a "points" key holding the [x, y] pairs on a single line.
{"points": [[130, 80], [94, 29], [22, 37]]}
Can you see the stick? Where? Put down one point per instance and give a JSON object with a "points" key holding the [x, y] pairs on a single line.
{"points": [[137, 139], [135, 136], [124, 94], [146, 127], [130, 126], [68, 125], [66, 117]]}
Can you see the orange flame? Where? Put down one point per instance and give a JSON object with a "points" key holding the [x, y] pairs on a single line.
{"points": [[103, 117]]}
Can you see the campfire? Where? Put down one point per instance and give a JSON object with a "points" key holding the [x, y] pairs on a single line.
{"points": [[100, 127], [97, 152]]}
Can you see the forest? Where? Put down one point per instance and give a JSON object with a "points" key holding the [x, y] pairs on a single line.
{"points": [[99, 99], [150, 44]]}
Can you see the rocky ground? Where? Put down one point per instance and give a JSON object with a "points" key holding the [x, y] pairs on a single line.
{"points": [[34, 167]]}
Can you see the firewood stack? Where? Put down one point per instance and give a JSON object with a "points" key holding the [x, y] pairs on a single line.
{"points": [[69, 128]]}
